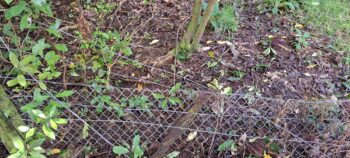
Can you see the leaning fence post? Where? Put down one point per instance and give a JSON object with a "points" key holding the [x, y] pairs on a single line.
{"points": [[10, 119]]}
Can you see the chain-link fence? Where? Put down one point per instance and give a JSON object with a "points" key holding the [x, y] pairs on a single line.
{"points": [[256, 125]]}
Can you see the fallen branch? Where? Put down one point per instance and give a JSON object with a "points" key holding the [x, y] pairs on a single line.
{"points": [[182, 122]]}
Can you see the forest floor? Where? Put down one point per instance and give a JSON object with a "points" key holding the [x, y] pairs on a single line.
{"points": [[317, 71]]}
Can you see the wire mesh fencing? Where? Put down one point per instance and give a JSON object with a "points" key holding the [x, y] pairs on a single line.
{"points": [[256, 125]]}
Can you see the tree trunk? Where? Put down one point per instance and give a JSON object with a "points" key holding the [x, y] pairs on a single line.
{"points": [[10, 119], [191, 39], [203, 24]]}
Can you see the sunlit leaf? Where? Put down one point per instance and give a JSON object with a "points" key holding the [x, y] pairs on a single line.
{"points": [[15, 10], [120, 150]]}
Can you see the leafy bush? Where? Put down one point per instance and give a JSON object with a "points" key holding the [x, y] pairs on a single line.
{"points": [[276, 6], [224, 19]]}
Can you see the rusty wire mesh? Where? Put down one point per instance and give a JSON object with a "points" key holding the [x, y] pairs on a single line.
{"points": [[297, 128]]}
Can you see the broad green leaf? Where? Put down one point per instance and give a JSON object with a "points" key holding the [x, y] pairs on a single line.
{"points": [[164, 104], [53, 124], [120, 150], [174, 100], [226, 145], [48, 132], [12, 82], [61, 47], [36, 143], [38, 97], [22, 80], [175, 88], [158, 96], [136, 142], [18, 143], [53, 29], [23, 128], [53, 109], [8, 1], [27, 59], [61, 121], [30, 133], [126, 51], [16, 155], [29, 106], [39, 47], [44, 75], [173, 154], [14, 59], [36, 155], [52, 58], [46, 9], [38, 113], [24, 23], [64, 94], [39, 2], [15, 10], [138, 152]]}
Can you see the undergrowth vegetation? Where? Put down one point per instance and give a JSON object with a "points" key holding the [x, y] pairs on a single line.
{"points": [[331, 17], [223, 19]]}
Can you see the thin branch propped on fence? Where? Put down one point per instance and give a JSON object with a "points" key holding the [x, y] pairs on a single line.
{"points": [[10, 119], [182, 122]]}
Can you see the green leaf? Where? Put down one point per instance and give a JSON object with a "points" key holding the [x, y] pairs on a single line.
{"points": [[39, 47], [53, 124], [158, 96], [30, 133], [15, 10], [48, 132], [14, 59], [42, 86], [164, 104], [39, 2], [36, 143], [52, 58], [136, 141], [120, 150], [38, 97], [226, 145], [175, 88], [61, 121], [36, 155], [24, 22], [53, 29], [38, 113], [64, 94], [22, 80], [8, 1], [61, 47], [12, 82], [27, 59], [23, 128], [174, 100], [16, 155], [126, 51], [173, 154], [85, 132], [44, 75], [18, 143]]}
